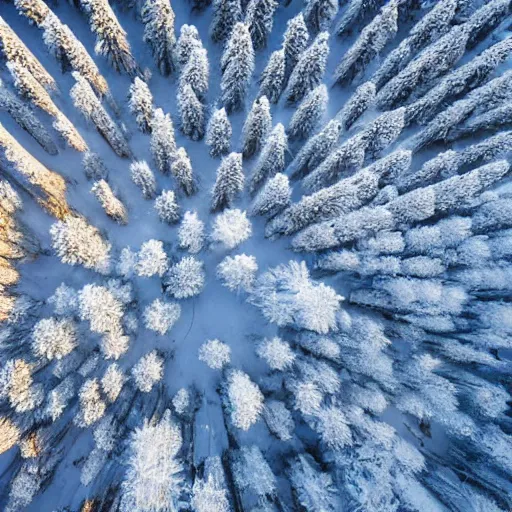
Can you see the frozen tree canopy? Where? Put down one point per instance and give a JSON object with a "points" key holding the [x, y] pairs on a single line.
{"points": [[256, 255]]}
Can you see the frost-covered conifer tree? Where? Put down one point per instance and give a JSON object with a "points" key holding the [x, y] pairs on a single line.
{"points": [[237, 65], [89, 105], [181, 170], [243, 399], [78, 243], [215, 354], [148, 371], [53, 339], [256, 127], [158, 18], [218, 133], [210, 492], [113, 206], [226, 13], [318, 14], [229, 182], [64, 300], [191, 112], [295, 42], [167, 208], [309, 70], [259, 17], [92, 407], [196, 72], [185, 278], [279, 420], [160, 316], [151, 259], [144, 178], [276, 353], [112, 382], [162, 144], [309, 113], [272, 77], [191, 233], [273, 197], [231, 228], [188, 41], [141, 104], [111, 41], [272, 157], [370, 43], [356, 11], [238, 273], [100, 308], [94, 166], [362, 99]]}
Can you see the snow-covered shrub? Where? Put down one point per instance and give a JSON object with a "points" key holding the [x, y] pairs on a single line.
{"points": [[53, 339], [231, 228], [276, 353], [151, 259], [191, 233], [238, 273], [185, 278], [215, 354], [148, 371], [160, 316], [167, 208]]}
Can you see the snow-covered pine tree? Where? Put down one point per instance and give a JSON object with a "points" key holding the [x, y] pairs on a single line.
{"points": [[259, 17], [309, 70], [191, 233], [181, 170], [111, 41], [158, 18], [160, 316], [215, 354], [318, 14], [229, 182], [94, 166], [218, 133], [272, 77], [144, 178], [295, 42], [256, 127], [162, 144], [309, 114], [141, 104], [191, 112], [486, 19], [188, 41], [196, 72], [362, 99], [231, 228], [226, 13], [370, 43], [210, 492], [237, 65], [272, 158], [151, 259], [185, 279], [167, 208], [273, 197], [356, 11], [238, 273], [113, 206], [89, 105], [24, 116]]}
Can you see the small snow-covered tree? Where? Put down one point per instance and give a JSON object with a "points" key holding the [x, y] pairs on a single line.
{"points": [[114, 343], [144, 178], [278, 419], [162, 144], [94, 463], [64, 300], [218, 133], [273, 197], [276, 353], [318, 14], [92, 406], [188, 41], [141, 104], [53, 339], [158, 18], [237, 65], [78, 243], [90, 106], [113, 206], [153, 480], [191, 112], [181, 401], [148, 371], [309, 113], [98, 305], [238, 272], [185, 278], [259, 16], [18, 386], [242, 399], [210, 492], [126, 263], [287, 296], [167, 208], [196, 73], [94, 166], [226, 13], [231, 228], [191, 233], [295, 42], [112, 382], [59, 398], [151, 259], [9, 434], [272, 77], [256, 127], [111, 39], [362, 99], [229, 182], [160, 316], [215, 354]]}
